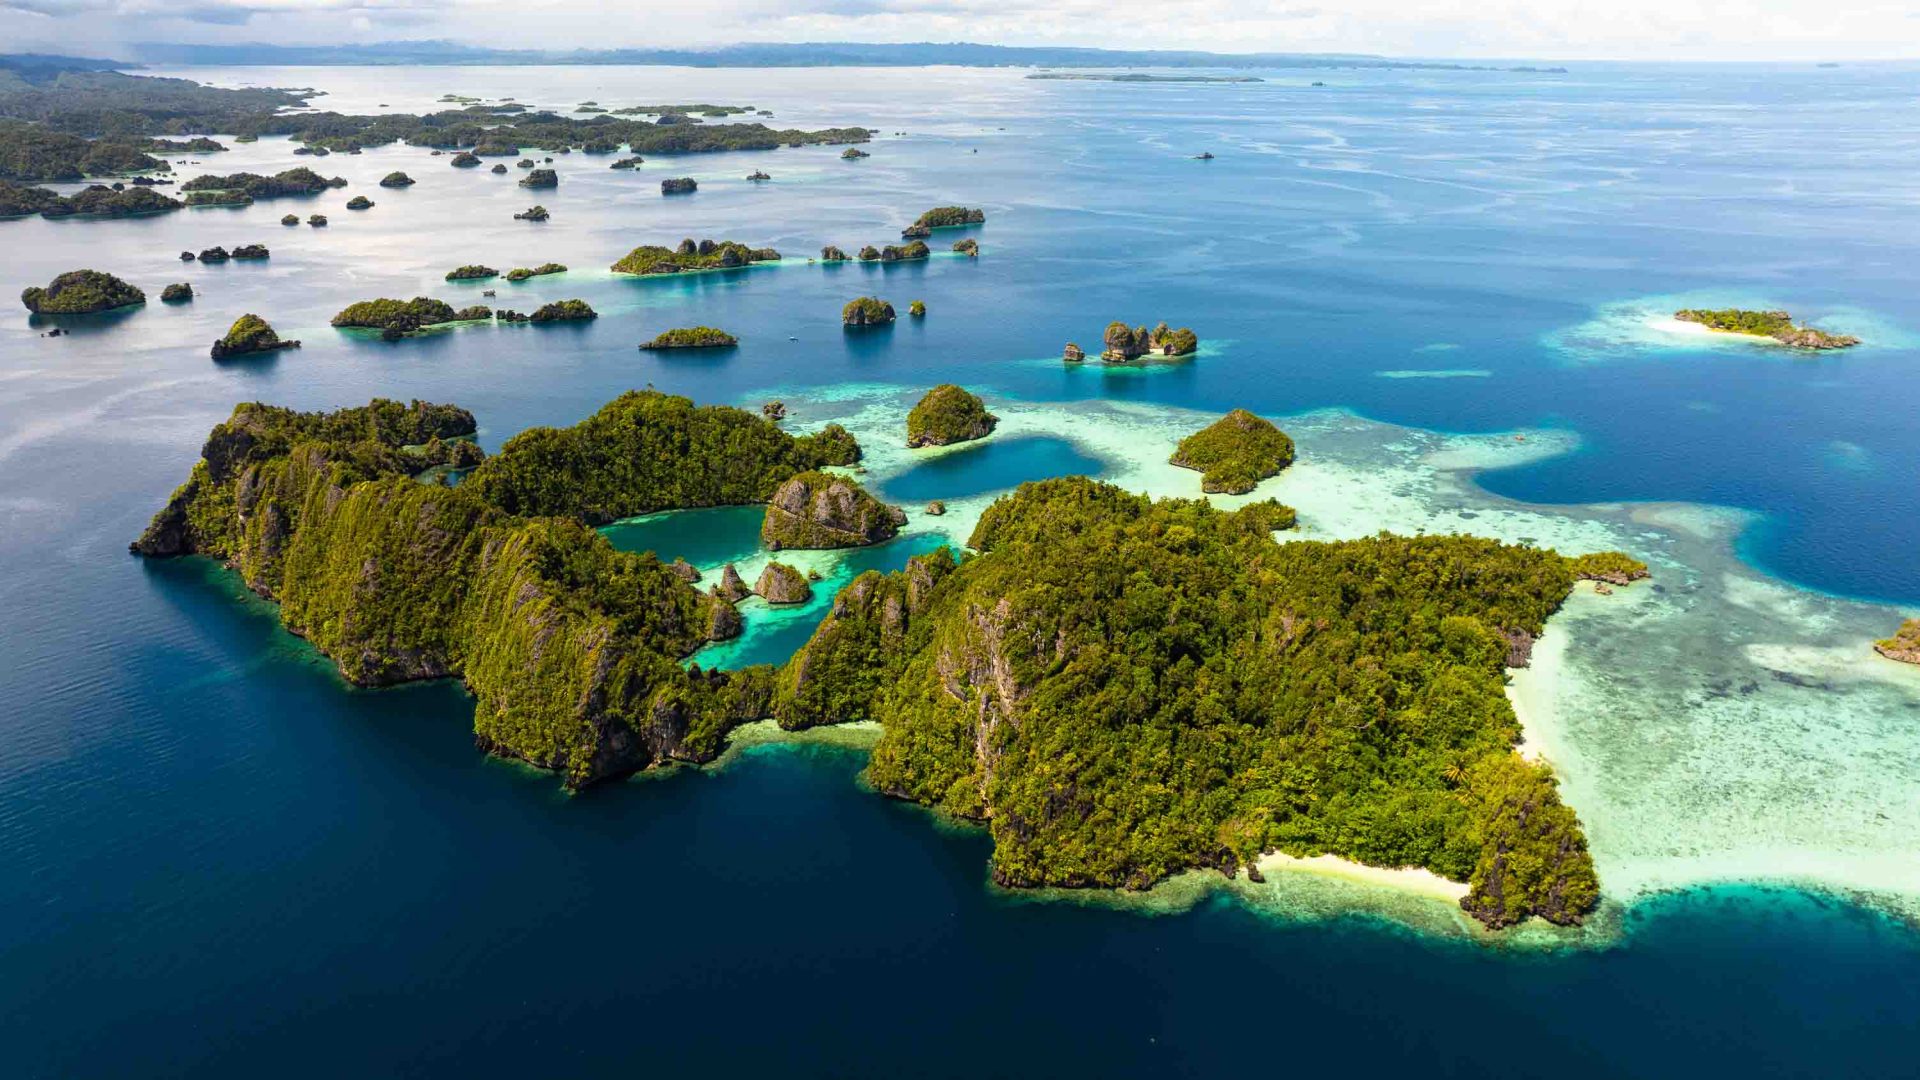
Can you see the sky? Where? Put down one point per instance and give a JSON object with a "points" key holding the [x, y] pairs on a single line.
{"points": [[1506, 29]]}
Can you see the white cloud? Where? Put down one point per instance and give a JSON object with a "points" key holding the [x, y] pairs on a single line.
{"points": [[1542, 29]]}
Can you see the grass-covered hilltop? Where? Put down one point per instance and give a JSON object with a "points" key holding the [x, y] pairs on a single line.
{"points": [[570, 648], [948, 414], [1777, 325], [1121, 689], [692, 255], [1234, 453]]}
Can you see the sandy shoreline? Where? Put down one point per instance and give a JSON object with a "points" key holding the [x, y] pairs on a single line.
{"points": [[1411, 879]]}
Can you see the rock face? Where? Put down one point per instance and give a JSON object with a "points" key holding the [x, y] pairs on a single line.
{"points": [[1234, 453], [1124, 344], [731, 588], [817, 510], [782, 584], [1073, 354], [948, 414], [80, 292], [684, 570], [867, 311], [249, 334], [1904, 645]]}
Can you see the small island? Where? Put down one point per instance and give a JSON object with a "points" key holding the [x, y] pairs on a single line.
{"points": [[691, 256], [867, 311], [498, 169], [917, 309], [290, 219], [817, 510], [317, 221], [968, 247], [906, 253], [464, 160], [948, 414], [1125, 345], [943, 217], [245, 187], [1777, 325], [177, 293], [359, 202], [693, 337], [757, 176], [682, 185], [522, 273], [782, 584], [853, 153], [1235, 453], [215, 254], [81, 292], [1904, 645], [540, 178], [396, 180], [832, 254], [564, 311], [472, 272], [250, 334], [395, 318], [532, 213]]}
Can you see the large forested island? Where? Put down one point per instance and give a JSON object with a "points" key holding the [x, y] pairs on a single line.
{"points": [[1777, 325], [692, 255], [1119, 689]]}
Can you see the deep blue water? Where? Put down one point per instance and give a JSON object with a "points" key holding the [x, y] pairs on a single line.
{"points": [[217, 860], [994, 464]]}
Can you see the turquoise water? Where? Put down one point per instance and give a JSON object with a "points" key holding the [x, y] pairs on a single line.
{"points": [[994, 464], [705, 538], [219, 860]]}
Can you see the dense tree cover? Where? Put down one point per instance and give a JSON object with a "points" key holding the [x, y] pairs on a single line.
{"points": [[867, 311], [522, 273], [1774, 324], [464, 161], [397, 180], [249, 334], [683, 185], [218, 198], [916, 250], [832, 254], [942, 217], [692, 337], [78, 292], [110, 104], [1611, 567], [869, 253], [540, 178], [948, 414], [399, 315], [252, 252], [646, 451], [1123, 689], [299, 180], [359, 202], [96, 201], [472, 272], [692, 255], [1235, 452], [33, 152], [564, 311], [177, 293], [917, 309], [569, 646]]}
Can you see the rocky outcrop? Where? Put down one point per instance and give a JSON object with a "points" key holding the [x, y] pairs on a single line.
{"points": [[731, 588], [1073, 354], [682, 185], [540, 178], [968, 247], [359, 202], [684, 570], [867, 311], [396, 180], [81, 292], [948, 414], [782, 584], [832, 254], [247, 252], [249, 334], [1904, 645], [178, 293], [532, 213], [1125, 344], [818, 510]]}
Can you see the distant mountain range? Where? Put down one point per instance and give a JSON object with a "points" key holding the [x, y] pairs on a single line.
{"points": [[823, 54]]}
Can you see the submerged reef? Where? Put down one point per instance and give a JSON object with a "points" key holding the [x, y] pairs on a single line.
{"points": [[948, 414], [1234, 453], [1777, 325]]}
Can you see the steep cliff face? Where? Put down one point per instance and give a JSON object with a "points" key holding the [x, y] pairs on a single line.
{"points": [[817, 510], [858, 646]]}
